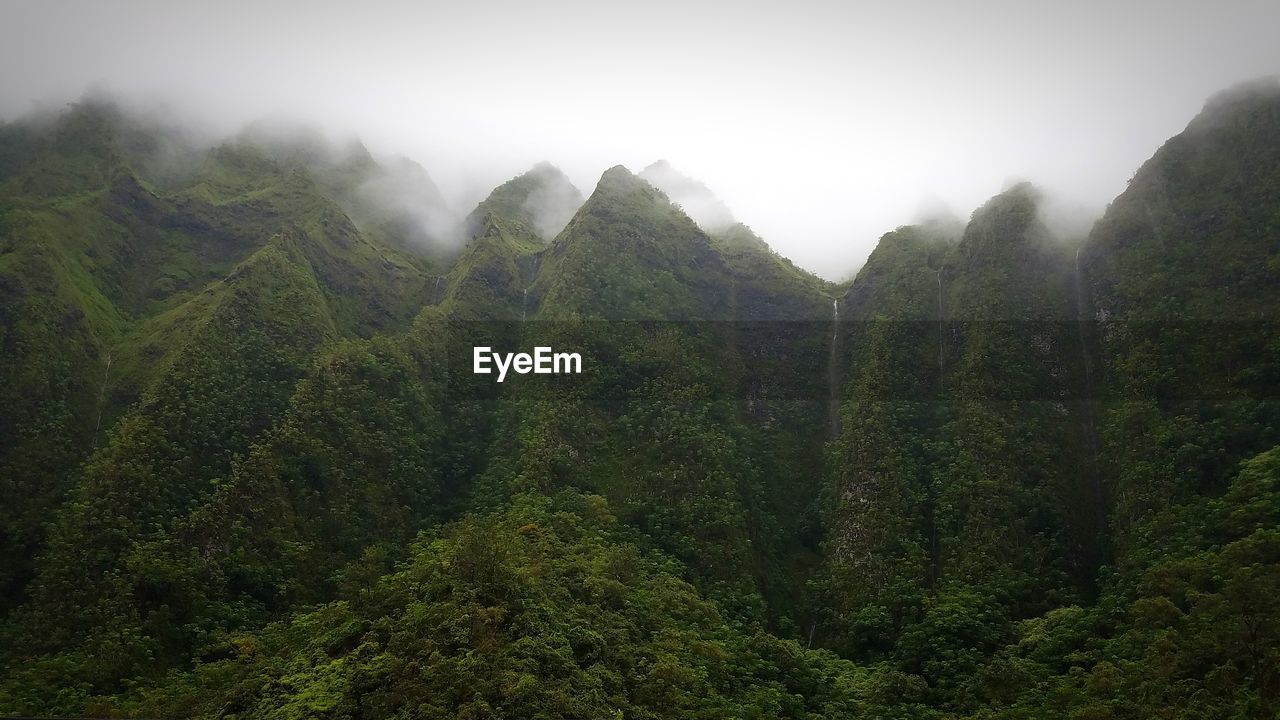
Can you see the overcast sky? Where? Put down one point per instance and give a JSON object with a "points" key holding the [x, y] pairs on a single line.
{"points": [[822, 124]]}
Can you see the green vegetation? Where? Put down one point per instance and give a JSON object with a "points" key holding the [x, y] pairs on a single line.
{"points": [[246, 469]]}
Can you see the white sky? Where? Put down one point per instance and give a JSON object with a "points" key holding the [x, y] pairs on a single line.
{"points": [[821, 124]]}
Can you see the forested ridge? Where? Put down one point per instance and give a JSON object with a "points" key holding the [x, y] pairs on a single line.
{"points": [[246, 469]]}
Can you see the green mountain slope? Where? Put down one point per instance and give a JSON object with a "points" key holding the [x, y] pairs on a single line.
{"points": [[542, 200], [207, 300], [957, 483], [1181, 273], [575, 619]]}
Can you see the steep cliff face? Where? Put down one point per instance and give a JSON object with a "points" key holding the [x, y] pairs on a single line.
{"points": [[880, 541], [635, 287], [957, 465], [542, 199], [1181, 275], [121, 265]]}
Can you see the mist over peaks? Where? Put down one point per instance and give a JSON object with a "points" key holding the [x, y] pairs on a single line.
{"points": [[542, 198], [695, 198]]}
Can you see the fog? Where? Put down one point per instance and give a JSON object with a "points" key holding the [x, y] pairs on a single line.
{"points": [[821, 125], [552, 202], [697, 200]]}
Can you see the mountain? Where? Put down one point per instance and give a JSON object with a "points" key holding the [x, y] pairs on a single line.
{"points": [[628, 253], [113, 284], [649, 301], [507, 233], [248, 469], [1024, 510], [393, 200], [1186, 343], [694, 198], [542, 199], [957, 479], [1179, 277]]}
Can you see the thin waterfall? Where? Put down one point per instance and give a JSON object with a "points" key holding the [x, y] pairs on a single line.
{"points": [[1089, 405], [942, 333], [1082, 311], [931, 500], [524, 294], [833, 380], [102, 398]]}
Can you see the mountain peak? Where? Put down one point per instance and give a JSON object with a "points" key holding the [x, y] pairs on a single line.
{"points": [[618, 175], [1008, 219], [1238, 104], [629, 253], [742, 236], [1263, 87], [545, 167], [619, 186], [542, 199], [695, 198]]}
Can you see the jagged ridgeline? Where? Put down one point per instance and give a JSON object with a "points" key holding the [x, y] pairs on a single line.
{"points": [[247, 470], [962, 474], [151, 282]]}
